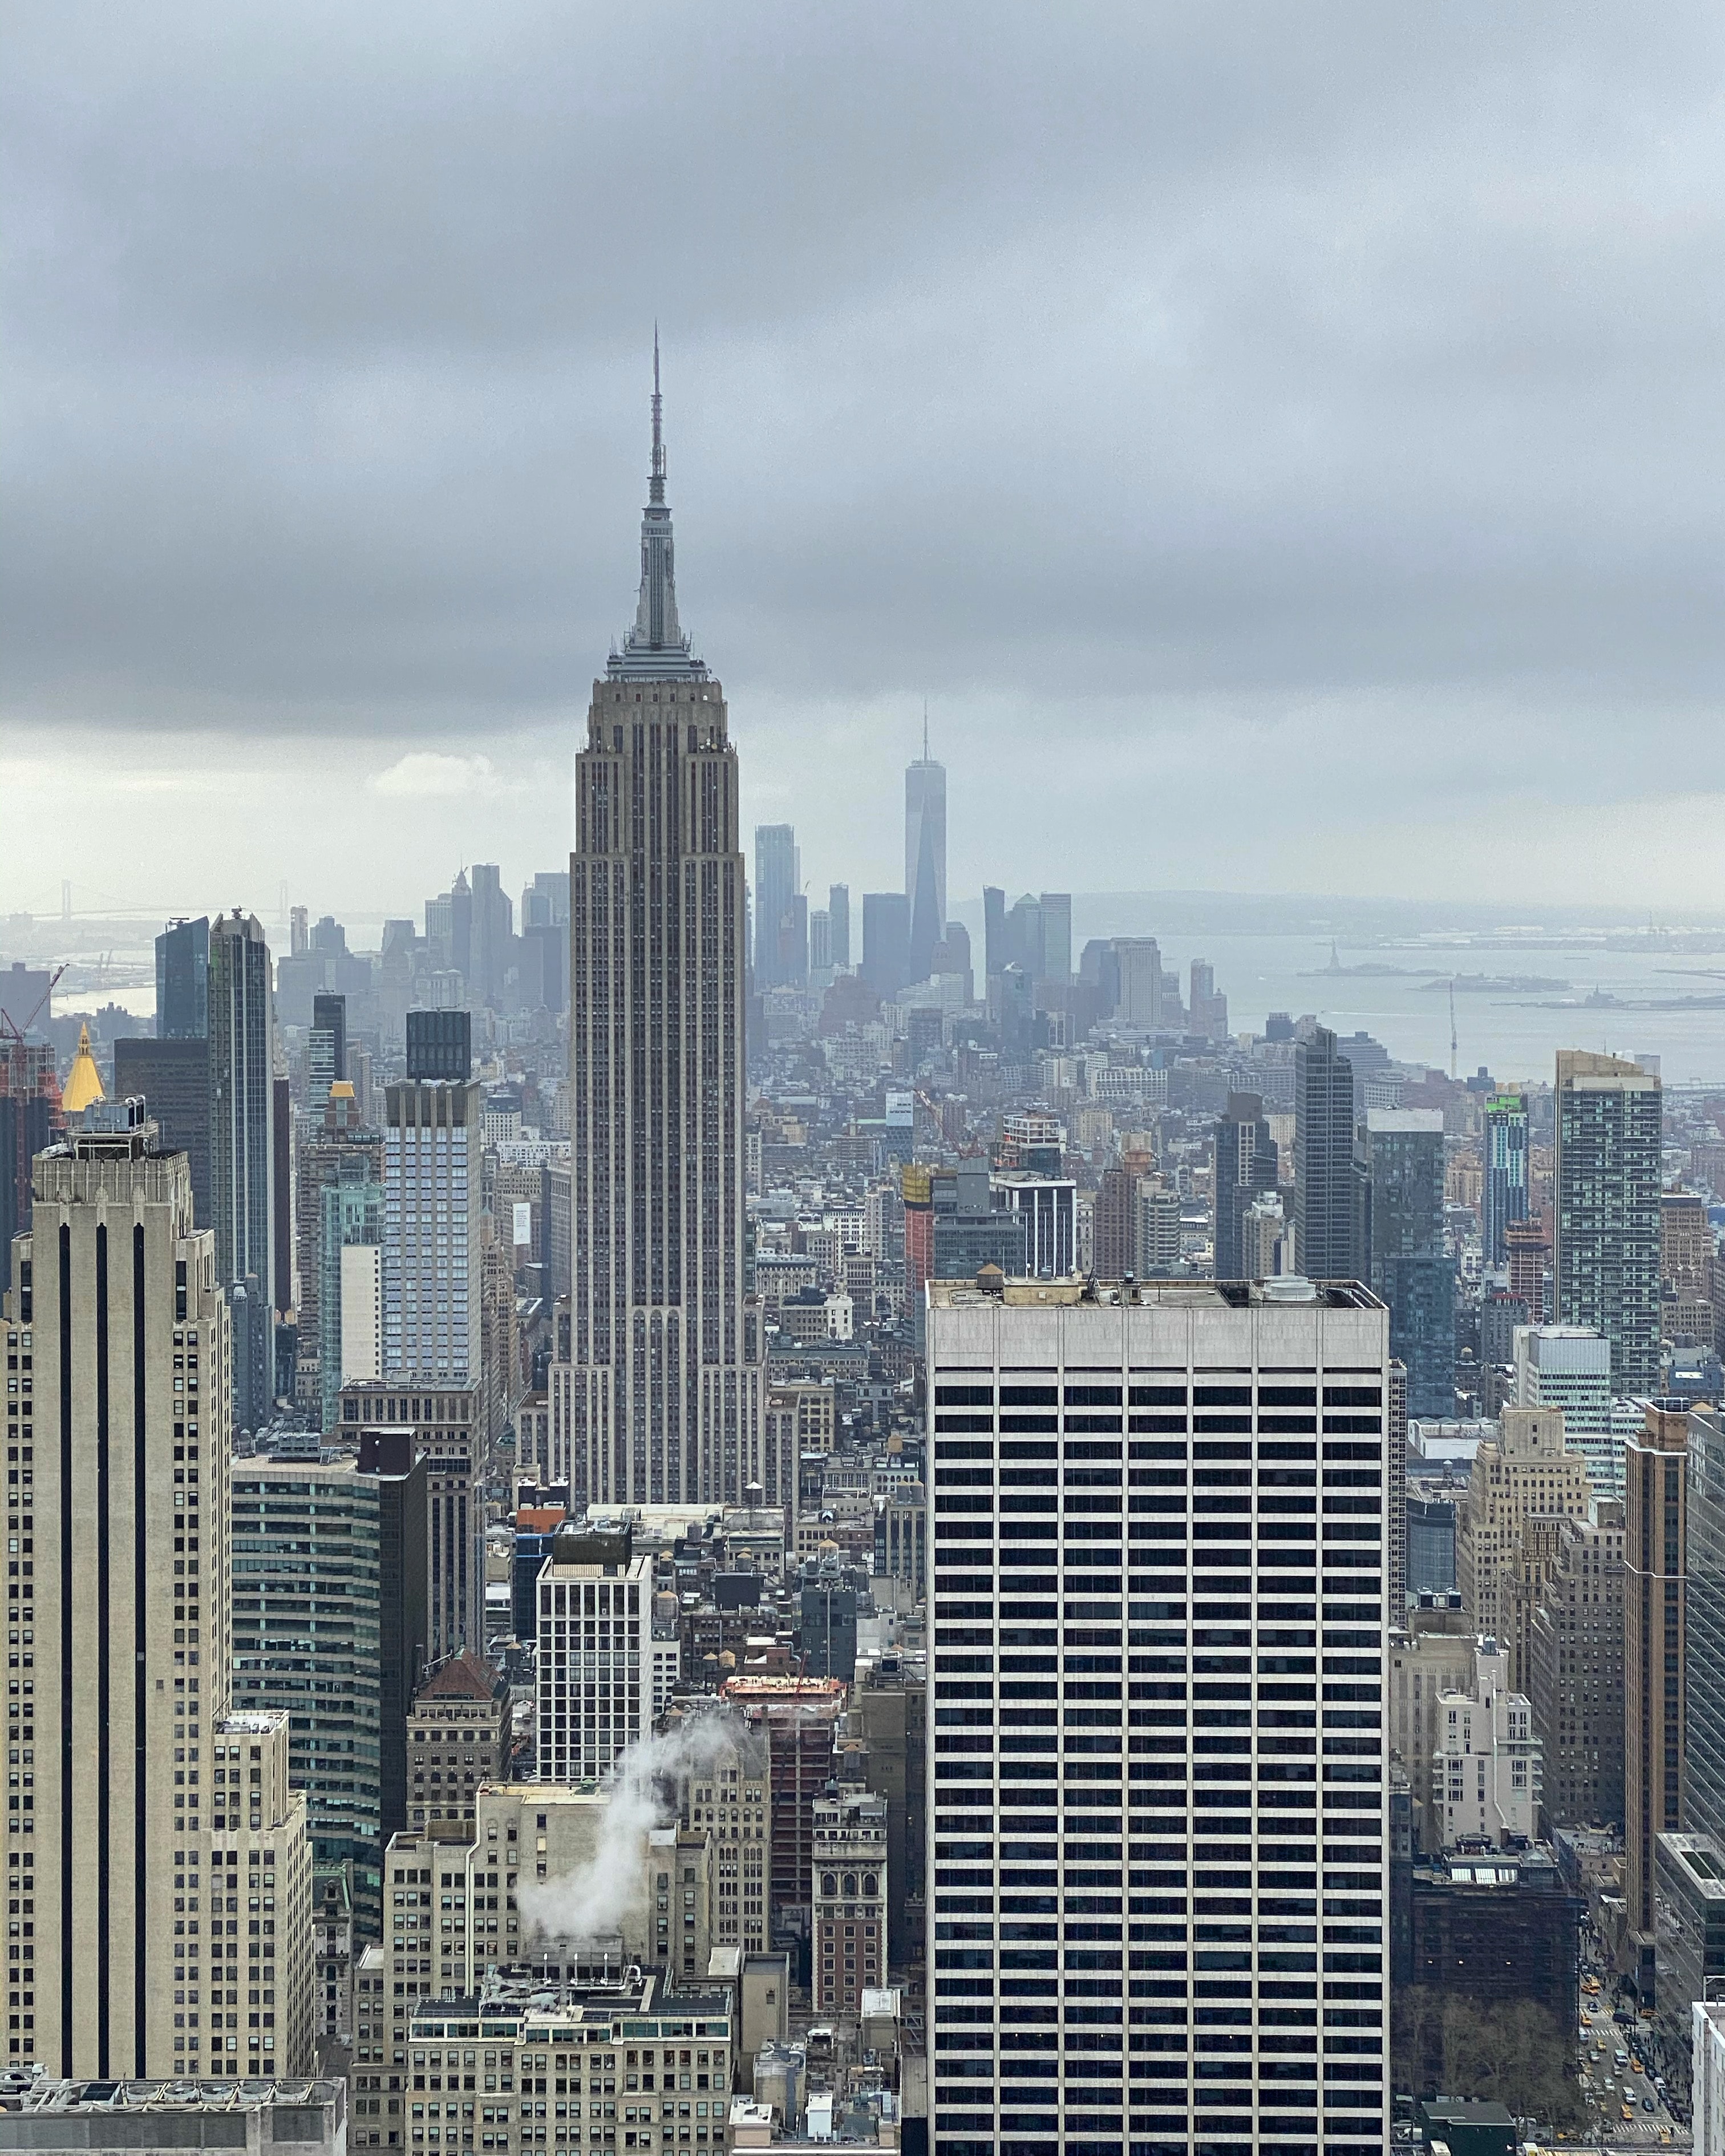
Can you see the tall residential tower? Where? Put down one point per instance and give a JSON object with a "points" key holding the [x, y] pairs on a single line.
{"points": [[666, 1356], [1324, 1211], [1605, 1253]]}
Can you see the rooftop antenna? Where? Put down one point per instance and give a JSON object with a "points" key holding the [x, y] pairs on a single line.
{"points": [[656, 490], [1452, 1028], [925, 729]]}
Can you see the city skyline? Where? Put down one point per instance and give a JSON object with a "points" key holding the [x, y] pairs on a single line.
{"points": [[394, 639], [664, 1400]]}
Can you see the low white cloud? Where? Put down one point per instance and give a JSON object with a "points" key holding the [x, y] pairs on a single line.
{"points": [[424, 775]]}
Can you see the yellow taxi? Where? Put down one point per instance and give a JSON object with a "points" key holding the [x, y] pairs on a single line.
{"points": [[1629, 2111]]}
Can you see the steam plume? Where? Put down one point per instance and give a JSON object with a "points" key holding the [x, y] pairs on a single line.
{"points": [[607, 1894]]}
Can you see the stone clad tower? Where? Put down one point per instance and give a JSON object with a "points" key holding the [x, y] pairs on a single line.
{"points": [[665, 1354], [133, 1822]]}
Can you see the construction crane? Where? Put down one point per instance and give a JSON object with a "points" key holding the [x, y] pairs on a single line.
{"points": [[10, 1030]]}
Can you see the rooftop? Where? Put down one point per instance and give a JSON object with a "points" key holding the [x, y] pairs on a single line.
{"points": [[1287, 1290], [599, 2013], [463, 1677], [20, 2093]]}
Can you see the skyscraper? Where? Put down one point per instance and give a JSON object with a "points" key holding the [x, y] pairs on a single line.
{"points": [[335, 1137], [1140, 961], [1570, 1367], [490, 933], [1400, 1237], [172, 1076], [1503, 1186], [330, 1626], [886, 942], [1323, 1160], [1209, 1015], [775, 889], [242, 1077], [440, 1045], [1055, 907], [182, 981], [326, 1051], [995, 953], [349, 1261], [1245, 1168], [121, 1636], [839, 914], [1065, 1616], [925, 857], [666, 1354], [1605, 1254], [432, 1205], [31, 1115], [1655, 1653], [582, 1732]]}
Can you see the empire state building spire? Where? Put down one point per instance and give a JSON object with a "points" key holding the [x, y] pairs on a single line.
{"points": [[660, 1386], [655, 649]]}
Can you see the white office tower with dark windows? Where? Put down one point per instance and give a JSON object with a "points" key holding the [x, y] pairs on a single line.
{"points": [[666, 1373], [1157, 1764]]}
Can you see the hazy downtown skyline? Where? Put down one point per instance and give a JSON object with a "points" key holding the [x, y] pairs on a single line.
{"points": [[1283, 447]]}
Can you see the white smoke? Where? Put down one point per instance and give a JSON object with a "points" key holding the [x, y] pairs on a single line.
{"points": [[607, 1894]]}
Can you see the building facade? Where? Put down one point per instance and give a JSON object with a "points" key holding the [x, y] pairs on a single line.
{"points": [[1246, 1170], [172, 1076], [1703, 1764], [851, 1895], [441, 1427], [724, 1792], [666, 1351], [1569, 1367], [242, 1078], [1528, 1470], [796, 1718], [1655, 1644], [1575, 1674], [1402, 1249], [306, 1644], [1324, 1208], [182, 981], [432, 1209], [121, 1636], [1487, 1773], [781, 946], [1503, 1184], [458, 1739], [1134, 1487], [598, 1649], [926, 858], [1606, 1249]]}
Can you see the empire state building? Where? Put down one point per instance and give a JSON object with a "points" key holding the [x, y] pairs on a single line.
{"points": [[663, 1390]]}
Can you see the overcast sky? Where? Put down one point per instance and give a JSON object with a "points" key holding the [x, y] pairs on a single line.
{"points": [[1282, 442]]}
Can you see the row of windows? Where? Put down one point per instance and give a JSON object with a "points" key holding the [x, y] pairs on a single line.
{"points": [[1177, 1395]]}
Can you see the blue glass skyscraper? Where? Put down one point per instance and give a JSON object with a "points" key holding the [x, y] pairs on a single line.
{"points": [[1400, 1160]]}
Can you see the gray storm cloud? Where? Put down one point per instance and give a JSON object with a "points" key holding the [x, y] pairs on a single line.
{"points": [[1316, 405]]}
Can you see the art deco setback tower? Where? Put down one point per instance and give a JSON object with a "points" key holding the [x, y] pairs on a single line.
{"points": [[143, 1795], [666, 1390]]}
